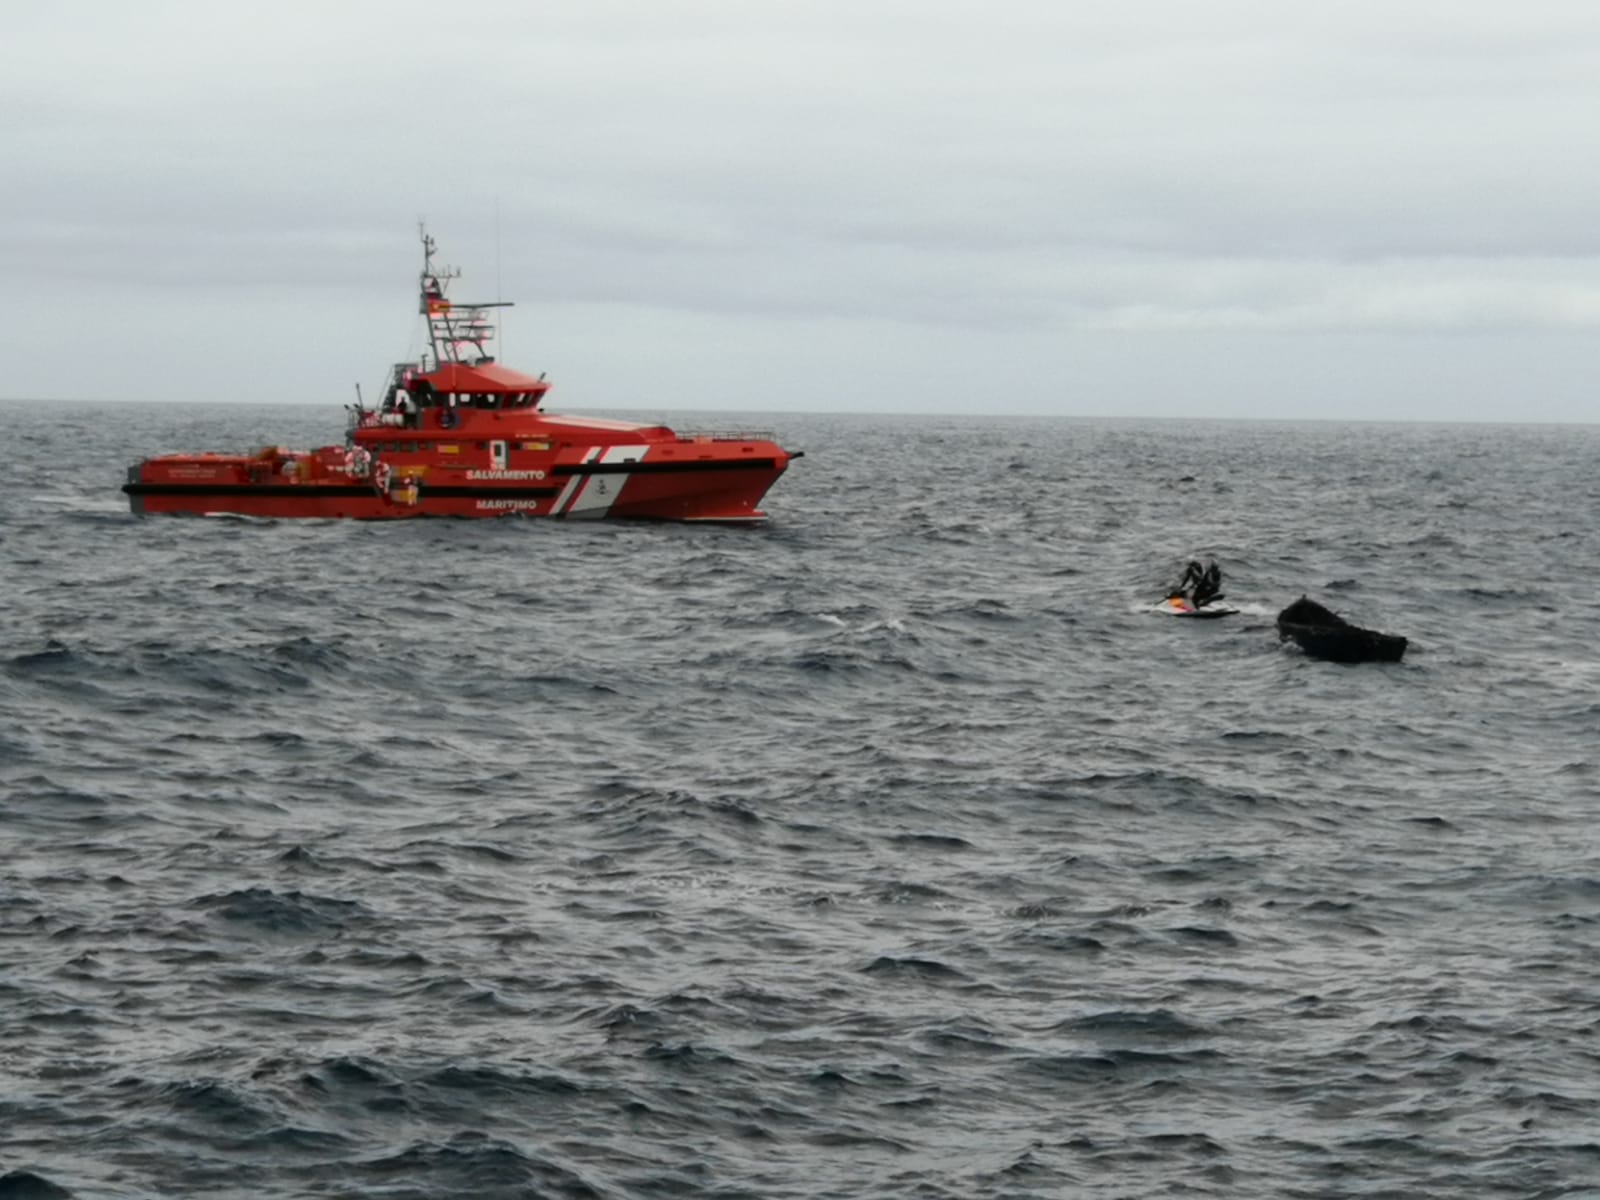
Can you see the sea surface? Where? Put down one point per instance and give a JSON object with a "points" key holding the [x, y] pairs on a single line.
{"points": [[894, 849]]}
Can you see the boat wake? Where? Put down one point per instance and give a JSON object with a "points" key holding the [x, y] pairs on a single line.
{"points": [[1252, 609]]}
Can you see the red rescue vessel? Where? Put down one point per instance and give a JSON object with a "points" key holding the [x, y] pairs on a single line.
{"points": [[456, 434]]}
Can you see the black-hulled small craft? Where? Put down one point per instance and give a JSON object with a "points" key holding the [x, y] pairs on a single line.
{"points": [[1323, 633]]}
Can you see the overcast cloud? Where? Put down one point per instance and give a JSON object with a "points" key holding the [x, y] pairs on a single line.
{"points": [[1157, 207]]}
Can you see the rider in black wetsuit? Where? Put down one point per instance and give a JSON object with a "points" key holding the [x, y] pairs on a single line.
{"points": [[1201, 584]]}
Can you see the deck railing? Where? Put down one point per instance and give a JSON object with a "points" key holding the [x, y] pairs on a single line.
{"points": [[726, 435]]}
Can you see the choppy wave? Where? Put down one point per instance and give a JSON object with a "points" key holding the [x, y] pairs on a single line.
{"points": [[892, 849]]}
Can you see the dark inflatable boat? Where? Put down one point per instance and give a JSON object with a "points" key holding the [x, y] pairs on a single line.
{"points": [[1323, 633]]}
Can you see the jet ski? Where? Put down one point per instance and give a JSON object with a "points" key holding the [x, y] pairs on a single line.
{"points": [[1180, 606], [1198, 595]]}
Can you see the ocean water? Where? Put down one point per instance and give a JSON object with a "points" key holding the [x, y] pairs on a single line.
{"points": [[893, 849]]}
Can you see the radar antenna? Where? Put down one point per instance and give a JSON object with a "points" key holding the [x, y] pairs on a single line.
{"points": [[457, 332]]}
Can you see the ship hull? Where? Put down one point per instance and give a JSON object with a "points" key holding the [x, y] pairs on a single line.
{"points": [[729, 491]]}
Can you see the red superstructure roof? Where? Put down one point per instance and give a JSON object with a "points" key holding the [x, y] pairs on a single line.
{"points": [[483, 377]]}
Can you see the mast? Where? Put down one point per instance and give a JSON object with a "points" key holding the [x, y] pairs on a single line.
{"points": [[457, 332]]}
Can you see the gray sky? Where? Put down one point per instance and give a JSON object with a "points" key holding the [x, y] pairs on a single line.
{"points": [[1374, 208]]}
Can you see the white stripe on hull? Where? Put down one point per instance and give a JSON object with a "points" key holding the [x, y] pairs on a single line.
{"points": [[599, 492], [573, 484]]}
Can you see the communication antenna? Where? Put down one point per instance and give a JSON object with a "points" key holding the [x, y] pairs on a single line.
{"points": [[497, 292]]}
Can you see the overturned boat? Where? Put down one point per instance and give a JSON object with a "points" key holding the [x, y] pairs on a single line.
{"points": [[457, 434], [1323, 633]]}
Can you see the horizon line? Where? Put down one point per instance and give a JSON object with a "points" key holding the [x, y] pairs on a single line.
{"points": [[846, 412]]}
